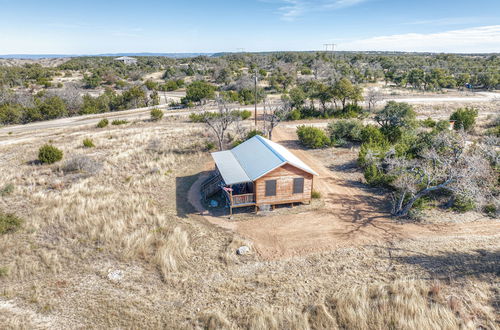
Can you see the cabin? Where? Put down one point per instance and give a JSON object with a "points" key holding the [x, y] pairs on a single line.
{"points": [[259, 172]]}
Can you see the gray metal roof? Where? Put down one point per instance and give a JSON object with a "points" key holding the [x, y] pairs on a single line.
{"points": [[254, 158]]}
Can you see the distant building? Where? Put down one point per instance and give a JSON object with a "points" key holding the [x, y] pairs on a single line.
{"points": [[127, 60]]}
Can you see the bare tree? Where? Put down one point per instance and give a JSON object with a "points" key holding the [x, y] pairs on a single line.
{"points": [[373, 97], [448, 165], [273, 115], [71, 95], [220, 121]]}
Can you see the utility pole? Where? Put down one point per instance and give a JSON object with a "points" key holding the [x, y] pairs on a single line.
{"points": [[328, 46], [255, 96]]}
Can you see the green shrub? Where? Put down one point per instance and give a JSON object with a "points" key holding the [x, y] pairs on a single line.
{"points": [[342, 130], [351, 111], [4, 272], [156, 114], [196, 117], [490, 210], [372, 134], [463, 204], [209, 146], [465, 118], [494, 131], [429, 122], [442, 125], [102, 123], [243, 114], [294, 114], [374, 176], [88, 143], [9, 223], [315, 194], [119, 122], [312, 137], [7, 190], [48, 154]]}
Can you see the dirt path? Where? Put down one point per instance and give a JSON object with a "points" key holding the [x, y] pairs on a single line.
{"points": [[350, 217]]}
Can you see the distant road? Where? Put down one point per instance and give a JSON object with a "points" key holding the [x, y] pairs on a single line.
{"points": [[144, 113]]}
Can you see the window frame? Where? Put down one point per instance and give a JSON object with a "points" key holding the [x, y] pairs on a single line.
{"points": [[266, 191], [302, 186]]}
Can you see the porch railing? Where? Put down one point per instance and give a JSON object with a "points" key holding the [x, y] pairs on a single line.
{"points": [[243, 199]]}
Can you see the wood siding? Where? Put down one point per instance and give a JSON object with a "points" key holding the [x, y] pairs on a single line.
{"points": [[284, 176]]}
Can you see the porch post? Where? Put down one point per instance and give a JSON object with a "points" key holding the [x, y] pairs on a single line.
{"points": [[231, 201]]}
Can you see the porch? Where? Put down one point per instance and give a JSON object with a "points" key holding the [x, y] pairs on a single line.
{"points": [[240, 195]]}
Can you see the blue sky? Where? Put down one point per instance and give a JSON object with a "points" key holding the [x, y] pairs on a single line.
{"points": [[91, 27]]}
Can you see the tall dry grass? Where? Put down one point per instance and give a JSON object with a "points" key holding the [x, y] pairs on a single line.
{"points": [[404, 304], [178, 270], [118, 209]]}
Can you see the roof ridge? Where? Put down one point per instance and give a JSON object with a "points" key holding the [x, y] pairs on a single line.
{"points": [[263, 140]]}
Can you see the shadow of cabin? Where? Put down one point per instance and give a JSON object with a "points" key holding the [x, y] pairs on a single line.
{"points": [[182, 185]]}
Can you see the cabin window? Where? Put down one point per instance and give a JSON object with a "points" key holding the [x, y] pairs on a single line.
{"points": [[298, 185], [270, 187]]}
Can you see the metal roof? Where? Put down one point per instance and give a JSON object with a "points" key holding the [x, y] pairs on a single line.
{"points": [[254, 158]]}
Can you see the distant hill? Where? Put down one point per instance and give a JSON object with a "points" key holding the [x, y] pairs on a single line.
{"points": [[40, 56]]}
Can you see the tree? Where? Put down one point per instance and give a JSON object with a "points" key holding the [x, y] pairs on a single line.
{"points": [[10, 114], [53, 107], [445, 165], [297, 97], [416, 77], [397, 114], [394, 117], [373, 97], [273, 115], [220, 121], [345, 91], [199, 91]]}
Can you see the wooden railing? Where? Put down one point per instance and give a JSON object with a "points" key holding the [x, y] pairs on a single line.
{"points": [[243, 199], [211, 185]]}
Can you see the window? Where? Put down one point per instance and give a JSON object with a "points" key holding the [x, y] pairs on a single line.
{"points": [[270, 187], [298, 185]]}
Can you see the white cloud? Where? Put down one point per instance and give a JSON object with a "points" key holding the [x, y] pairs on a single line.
{"points": [[482, 39], [292, 9]]}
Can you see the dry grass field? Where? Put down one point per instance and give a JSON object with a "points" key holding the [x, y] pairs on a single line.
{"points": [[110, 240]]}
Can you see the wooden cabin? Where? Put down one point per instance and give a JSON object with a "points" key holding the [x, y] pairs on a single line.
{"points": [[260, 172]]}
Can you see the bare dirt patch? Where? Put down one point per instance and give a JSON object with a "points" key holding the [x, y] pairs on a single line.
{"points": [[353, 214]]}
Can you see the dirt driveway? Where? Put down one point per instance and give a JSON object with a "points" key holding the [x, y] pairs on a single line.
{"points": [[351, 216]]}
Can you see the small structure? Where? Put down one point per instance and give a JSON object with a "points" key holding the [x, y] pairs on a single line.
{"points": [[127, 60], [259, 172]]}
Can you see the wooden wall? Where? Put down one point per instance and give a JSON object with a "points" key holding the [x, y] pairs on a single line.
{"points": [[284, 176]]}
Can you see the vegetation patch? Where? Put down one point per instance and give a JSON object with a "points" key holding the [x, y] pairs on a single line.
{"points": [[117, 122], [312, 137], [156, 114], [9, 223], [7, 190], [88, 143], [48, 154], [102, 123]]}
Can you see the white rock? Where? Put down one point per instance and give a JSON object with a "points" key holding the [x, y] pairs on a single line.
{"points": [[243, 250], [115, 275]]}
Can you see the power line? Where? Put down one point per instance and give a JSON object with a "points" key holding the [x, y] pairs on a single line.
{"points": [[330, 47]]}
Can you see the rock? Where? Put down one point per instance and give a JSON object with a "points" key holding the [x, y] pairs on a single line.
{"points": [[115, 275], [214, 203], [242, 250]]}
